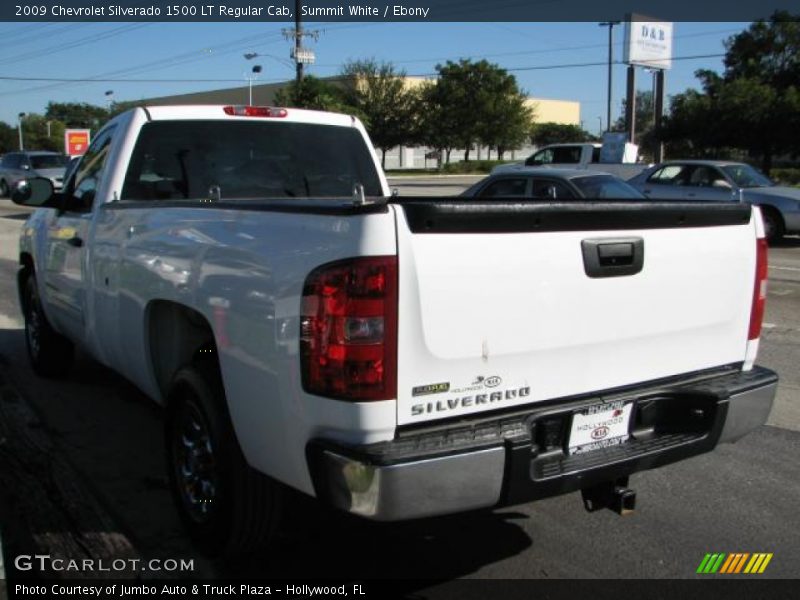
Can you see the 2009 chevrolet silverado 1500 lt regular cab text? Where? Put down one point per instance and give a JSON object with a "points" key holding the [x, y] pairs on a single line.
{"points": [[246, 268]]}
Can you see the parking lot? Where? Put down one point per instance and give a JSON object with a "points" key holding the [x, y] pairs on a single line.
{"points": [[94, 441]]}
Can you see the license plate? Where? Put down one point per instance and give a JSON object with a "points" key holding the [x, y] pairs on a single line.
{"points": [[599, 426]]}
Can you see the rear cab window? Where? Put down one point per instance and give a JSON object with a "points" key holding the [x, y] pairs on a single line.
{"points": [[505, 188], [557, 155], [248, 159]]}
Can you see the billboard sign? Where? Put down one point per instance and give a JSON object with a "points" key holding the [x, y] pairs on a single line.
{"points": [[76, 141], [648, 43]]}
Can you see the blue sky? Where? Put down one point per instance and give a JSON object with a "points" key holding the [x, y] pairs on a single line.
{"points": [[213, 51]]}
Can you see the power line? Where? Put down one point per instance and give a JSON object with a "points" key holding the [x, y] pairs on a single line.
{"points": [[617, 45], [173, 80], [58, 48], [185, 58]]}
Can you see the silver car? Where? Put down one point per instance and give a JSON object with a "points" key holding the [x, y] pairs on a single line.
{"points": [[543, 183], [718, 180], [24, 165]]}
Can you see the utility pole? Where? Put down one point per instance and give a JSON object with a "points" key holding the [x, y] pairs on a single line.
{"points": [[302, 56], [610, 25], [298, 36]]}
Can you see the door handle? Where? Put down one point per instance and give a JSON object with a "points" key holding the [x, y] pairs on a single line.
{"points": [[75, 241]]}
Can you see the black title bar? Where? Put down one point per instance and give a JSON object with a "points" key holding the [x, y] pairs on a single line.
{"points": [[391, 11]]}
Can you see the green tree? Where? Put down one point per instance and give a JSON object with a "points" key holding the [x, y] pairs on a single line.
{"points": [[435, 125], [484, 104], [80, 115], [8, 138], [754, 105], [35, 133], [768, 51], [312, 93], [508, 119], [379, 95], [543, 134]]}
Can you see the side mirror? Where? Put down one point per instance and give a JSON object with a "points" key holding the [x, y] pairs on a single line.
{"points": [[25, 167], [37, 192]]}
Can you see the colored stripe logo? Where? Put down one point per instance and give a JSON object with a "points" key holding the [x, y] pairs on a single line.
{"points": [[734, 563]]}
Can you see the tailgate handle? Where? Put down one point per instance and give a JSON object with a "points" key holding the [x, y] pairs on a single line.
{"points": [[612, 257]]}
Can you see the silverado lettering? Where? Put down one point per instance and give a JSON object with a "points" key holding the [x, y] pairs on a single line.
{"points": [[468, 401]]}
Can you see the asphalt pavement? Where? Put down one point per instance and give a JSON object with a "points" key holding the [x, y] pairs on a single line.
{"points": [[740, 498]]}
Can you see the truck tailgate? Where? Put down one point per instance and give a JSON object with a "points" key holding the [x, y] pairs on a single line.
{"points": [[498, 308]]}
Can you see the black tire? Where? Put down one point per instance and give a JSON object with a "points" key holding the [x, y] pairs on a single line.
{"points": [[773, 224], [4, 191], [228, 508], [50, 353]]}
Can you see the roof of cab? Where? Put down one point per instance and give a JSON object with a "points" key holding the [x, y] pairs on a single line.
{"points": [[216, 112]]}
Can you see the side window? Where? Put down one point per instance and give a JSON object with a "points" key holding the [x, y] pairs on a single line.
{"points": [[669, 175], [84, 182], [567, 155], [505, 188], [701, 177], [718, 180], [596, 155], [549, 189], [542, 157], [11, 161]]}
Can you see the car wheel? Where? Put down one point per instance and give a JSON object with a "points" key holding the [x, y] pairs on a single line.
{"points": [[4, 191], [773, 224], [228, 508], [50, 353]]}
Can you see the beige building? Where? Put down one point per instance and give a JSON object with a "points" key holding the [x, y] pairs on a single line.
{"points": [[566, 112], [563, 112]]}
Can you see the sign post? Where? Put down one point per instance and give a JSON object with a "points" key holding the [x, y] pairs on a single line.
{"points": [[648, 43]]}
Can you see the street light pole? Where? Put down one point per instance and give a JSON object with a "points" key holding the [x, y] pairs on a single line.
{"points": [[600, 120], [253, 75], [610, 25], [19, 128]]}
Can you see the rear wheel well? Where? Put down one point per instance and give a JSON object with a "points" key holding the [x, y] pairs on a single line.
{"points": [[775, 214], [177, 336]]}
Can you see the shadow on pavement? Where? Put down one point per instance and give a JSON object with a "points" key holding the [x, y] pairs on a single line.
{"points": [[110, 434]]}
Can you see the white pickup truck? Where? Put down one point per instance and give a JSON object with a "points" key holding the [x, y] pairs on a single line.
{"points": [[247, 268], [575, 156]]}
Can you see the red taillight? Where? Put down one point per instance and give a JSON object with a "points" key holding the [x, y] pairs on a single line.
{"points": [[759, 290], [255, 111], [348, 329]]}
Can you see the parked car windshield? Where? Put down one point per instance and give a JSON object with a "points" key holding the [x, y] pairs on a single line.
{"points": [[605, 186], [258, 159], [48, 161], [746, 176]]}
